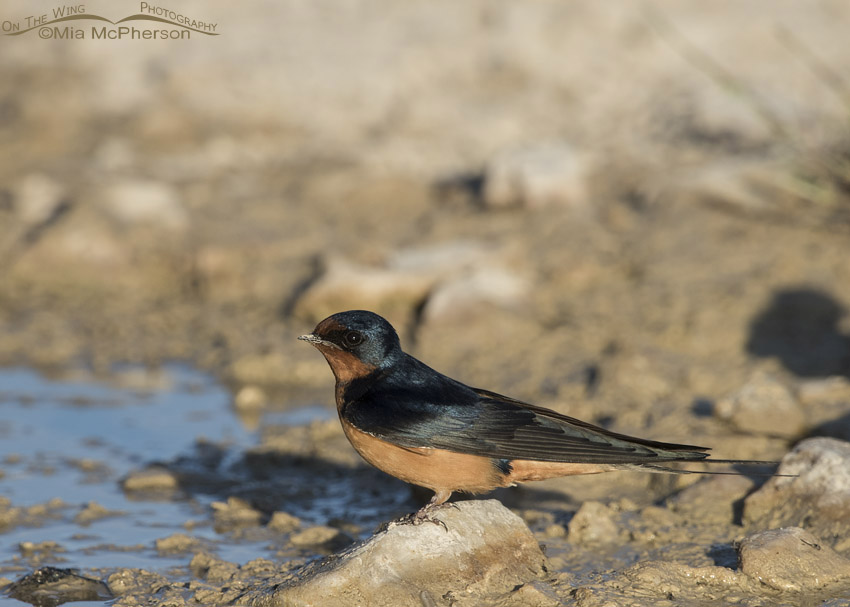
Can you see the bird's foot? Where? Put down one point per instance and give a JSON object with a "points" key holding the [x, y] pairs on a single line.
{"points": [[423, 515]]}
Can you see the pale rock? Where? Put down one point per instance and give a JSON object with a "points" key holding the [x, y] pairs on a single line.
{"points": [[153, 478], [250, 398], [235, 513], [484, 552], [815, 494], [536, 176], [284, 522], [136, 201], [593, 523], [321, 538], [37, 198], [763, 405], [791, 559]]}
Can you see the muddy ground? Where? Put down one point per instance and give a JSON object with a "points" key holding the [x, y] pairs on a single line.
{"points": [[635, 214]]}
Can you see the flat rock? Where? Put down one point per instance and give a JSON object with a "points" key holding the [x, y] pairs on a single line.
{"points": [[537, 175], [484, 551], [155, 203], [153, 478], [450, 278], [791, 559], [594, 523], [816, 497], [763, 405]]}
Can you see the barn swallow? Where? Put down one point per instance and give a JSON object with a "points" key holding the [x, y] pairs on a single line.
{"points": [[425, 428]]}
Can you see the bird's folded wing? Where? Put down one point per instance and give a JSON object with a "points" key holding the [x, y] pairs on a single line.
{"points": [[478, 422]]}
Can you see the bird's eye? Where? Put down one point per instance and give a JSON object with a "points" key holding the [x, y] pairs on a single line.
{"points": [[353, 338]]}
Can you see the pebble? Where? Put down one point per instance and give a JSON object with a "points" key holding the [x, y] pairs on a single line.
{"points": [[764, 405], [593, 523], [284, 522], [177, 542], [791, 559], [321, 538], [37, 198], [250, 398], [816, 496], [93, 512], [537, 175], [234, 513], [136, 201], [153, 478]]}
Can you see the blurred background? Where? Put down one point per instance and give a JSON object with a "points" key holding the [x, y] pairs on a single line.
{"points": [[630, 212], [552, 199]]}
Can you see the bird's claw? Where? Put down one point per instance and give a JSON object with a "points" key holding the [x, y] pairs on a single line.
{"points": [[423, 515]]}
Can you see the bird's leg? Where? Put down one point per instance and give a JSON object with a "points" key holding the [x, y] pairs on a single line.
{"points": [[423, 515]]}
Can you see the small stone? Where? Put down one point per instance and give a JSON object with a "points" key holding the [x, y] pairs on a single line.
{"points": [[93, 512], [212, 569], [537, 176], [763, 406], [345, 285], [147, 202], [815, 494], [484, 551], [320, 537], [125, 581], [464, 295], [60, 585], [154, 478], [283, 522], [177, 542], [791, 559], [42, 548], [235, 513], [250, 398], [593, 523], [712, 498], [37, 199]]}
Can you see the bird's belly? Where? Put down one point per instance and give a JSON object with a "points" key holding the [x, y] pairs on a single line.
{"points": [[435, 469]]}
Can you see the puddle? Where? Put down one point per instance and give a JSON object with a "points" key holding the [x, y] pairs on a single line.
{"points": [[75, 438]]}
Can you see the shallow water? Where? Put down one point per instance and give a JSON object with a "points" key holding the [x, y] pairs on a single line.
{"points": [[75, 438]]}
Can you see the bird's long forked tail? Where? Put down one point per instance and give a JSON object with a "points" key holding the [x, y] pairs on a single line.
{"points": [[730, 462]]}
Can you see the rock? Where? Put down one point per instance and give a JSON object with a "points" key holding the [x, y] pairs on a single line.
{"points": [[320, 538], [449, 277], [54, 586], [93, 512], [250, 398], [763, 406], [816, 496], [145, 202], [154, 478], [345, 285], [712, 499], [42, 549], [177, 542], [675, 580], [464, 295], [791, 559], [37, 199], [283, 522], [593, 523], [537, 176], [207, 567], [235, 513], [484, 550], [135, 581]]}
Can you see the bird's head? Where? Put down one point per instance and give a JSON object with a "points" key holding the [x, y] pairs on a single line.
{"points": [[355, 343]]}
